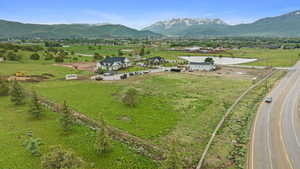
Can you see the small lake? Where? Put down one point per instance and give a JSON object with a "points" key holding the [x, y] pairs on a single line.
{"points": [[219, 60]]}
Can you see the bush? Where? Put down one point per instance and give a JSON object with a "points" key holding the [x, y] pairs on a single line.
{"points": [[4, 87], [58, 158], [59, 59], [130, 97], [35, 56], [97, 56], [13, 56], [102, 144], [17, 94], [33, 145], [49, 56]]}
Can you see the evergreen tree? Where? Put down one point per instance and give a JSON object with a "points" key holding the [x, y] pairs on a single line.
{"points": [[35, 107], [102, 143], [17, 94], [142, 51], [173, 160], [33, 145], [67, 118]]}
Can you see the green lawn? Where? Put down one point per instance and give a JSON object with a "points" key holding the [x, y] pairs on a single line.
{"points": [[16, 122], [270, 57], [170, 105], [10, 68]]}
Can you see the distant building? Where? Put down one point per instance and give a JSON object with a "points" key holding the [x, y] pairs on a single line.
{"points": [[156, 60], [71, 77], [206, 66], [113, 63], [1, 59]]}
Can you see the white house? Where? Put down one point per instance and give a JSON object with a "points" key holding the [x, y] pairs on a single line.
{"points": [[206, 66], [113, 63], [1, 59]]}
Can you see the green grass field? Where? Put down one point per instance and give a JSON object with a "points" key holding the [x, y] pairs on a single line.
{"points": [[169, 105], [16, 122], [10, 68]]}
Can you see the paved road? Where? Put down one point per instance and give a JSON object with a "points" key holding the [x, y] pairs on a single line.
{"points": [[276, 133]]}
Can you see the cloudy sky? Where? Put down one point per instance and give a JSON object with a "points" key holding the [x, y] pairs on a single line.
{"points": [[140, 13]]}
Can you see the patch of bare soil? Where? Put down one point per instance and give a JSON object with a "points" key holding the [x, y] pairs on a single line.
{"points": [[233, 72], [87, 66]]}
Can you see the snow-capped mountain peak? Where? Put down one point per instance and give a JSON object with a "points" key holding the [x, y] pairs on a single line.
{"points": [[188, 22]]}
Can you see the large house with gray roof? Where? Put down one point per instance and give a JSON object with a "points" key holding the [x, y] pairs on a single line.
{"points": [[113, 63]]}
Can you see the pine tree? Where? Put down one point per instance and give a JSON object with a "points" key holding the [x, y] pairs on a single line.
{"points": [[17, 94], [173, 160], [66, 119], [33, 145], [35, 107], [102, 143]]}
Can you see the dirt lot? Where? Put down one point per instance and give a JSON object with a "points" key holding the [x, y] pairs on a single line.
{"points": [[233, 72], [87, 66]]}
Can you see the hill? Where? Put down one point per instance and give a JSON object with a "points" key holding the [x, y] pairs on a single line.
{"points": [[287, 25], [10, 29]]}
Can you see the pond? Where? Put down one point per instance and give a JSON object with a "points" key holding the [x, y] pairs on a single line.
{"points": [[219, 60]]}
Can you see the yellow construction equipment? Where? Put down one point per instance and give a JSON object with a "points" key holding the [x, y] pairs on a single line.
{"points": [[20, 74]]}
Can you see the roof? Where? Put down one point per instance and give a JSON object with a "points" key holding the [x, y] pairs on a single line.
{"points": [[156, 57], [200, 63], [111, 60]]}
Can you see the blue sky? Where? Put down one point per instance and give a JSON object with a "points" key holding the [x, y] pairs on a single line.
{"points": [[140, 13]]}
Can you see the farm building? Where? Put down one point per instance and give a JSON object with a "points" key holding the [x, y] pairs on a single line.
{"points": [[113, 63], [207, 66], [156, 60]]}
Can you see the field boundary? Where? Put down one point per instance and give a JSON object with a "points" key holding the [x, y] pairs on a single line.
{"points": [[220, 124], [139, 145]]}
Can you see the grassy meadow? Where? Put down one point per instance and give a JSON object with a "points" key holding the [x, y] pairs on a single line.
{"points": [[169, 105], [16, 122]]}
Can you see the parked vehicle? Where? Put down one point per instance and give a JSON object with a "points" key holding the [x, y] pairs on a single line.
{"points": [[71, 77], [269, 100]]}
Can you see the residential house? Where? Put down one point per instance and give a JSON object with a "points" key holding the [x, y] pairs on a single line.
{"points": [[156, 60], [206, 66], [113, 63]]}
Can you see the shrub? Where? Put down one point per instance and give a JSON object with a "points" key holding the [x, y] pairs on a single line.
{"points": [[59, 59], [35, 56], [49, 56], [173, 160], [33, 145], [13, 56], [130, 97], [4, 87], [102, 143], [58, 158], [17, 93]]}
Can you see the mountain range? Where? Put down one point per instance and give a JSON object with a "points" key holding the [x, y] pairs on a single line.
{"points": [[287, 25], [10, 29]]}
